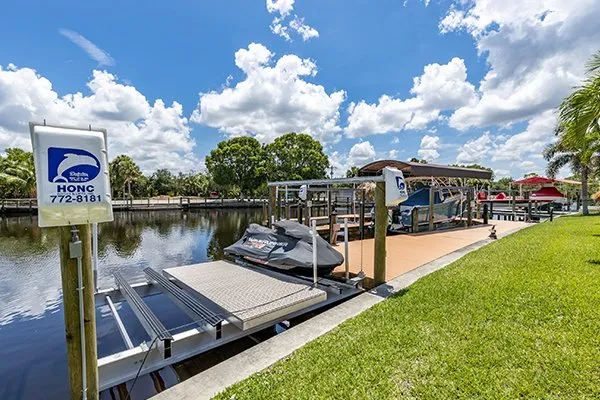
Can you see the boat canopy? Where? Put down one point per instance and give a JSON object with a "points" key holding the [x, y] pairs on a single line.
{"points": [[415, 169], [542, 180]]}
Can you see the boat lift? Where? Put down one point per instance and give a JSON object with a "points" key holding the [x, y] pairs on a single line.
{"points": [[224, 300]]}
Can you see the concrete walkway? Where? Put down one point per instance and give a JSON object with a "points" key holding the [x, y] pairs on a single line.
{"points": [[239, 367]]}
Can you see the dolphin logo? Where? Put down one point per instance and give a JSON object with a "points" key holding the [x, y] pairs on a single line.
{"points": [[71, 165], [72, 160]]}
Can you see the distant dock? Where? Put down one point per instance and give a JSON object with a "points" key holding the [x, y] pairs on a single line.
{"points": [[9, 207]]}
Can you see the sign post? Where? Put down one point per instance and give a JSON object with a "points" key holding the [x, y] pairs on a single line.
{"points": [[73, 191]]}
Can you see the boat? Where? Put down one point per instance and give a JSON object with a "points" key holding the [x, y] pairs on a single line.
{"points": [[445, 209], [549, 193], [288, 246]]}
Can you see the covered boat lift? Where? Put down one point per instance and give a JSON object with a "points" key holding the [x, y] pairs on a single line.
{"points": [[434, 175]]}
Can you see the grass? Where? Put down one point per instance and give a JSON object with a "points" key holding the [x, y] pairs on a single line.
{"points": [[519, 318]]}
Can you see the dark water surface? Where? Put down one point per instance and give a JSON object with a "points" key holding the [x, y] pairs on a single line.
{"points": [[32, 343]]}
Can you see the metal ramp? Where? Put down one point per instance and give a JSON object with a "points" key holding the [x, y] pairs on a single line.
{"points": [[155, 329], [250, 297], [209, 321]]}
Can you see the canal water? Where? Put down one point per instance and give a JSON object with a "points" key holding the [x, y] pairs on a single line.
{"points": [[33, 363]]}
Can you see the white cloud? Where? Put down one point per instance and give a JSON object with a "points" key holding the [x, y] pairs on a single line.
{"points": [[297, 24], [429, 148], [279, 29], [272, 100], [395, 140], [474, 151], [393, 154], [528, 165], [361, 153], [96, 53], [440, 87], [536, 52], [307, 32], [501, 173], [283, 7], [339, 162], [155, 135], [539, 132]]}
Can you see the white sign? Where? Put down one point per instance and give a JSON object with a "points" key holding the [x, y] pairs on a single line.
{"points": [[71, 165], [302, 192], [395, 187]]}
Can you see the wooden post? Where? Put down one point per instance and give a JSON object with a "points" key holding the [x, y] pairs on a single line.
{"points": [[265, 211], [551, 213], [485, 214], [68, 267], [299, 211], [469, 207], [278, 214], [361, 217], [414, 219], [491, 210], [514, 203], [431, 210], [271, 208], [380, 233], [331, 217], [308, 210]]}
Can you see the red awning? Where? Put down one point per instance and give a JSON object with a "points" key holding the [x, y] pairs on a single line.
{"points": [[542, 180]]}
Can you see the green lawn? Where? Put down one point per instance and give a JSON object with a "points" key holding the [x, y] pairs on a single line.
{"points": [[517, 318]]}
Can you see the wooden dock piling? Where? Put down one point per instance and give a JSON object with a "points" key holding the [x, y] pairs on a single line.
{"points": [[69, 279], [379, 266]]}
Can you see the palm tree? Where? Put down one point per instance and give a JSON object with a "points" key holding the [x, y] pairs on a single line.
{"points": [[579, 130], [17, 170], [123, 172], [559, 155]]}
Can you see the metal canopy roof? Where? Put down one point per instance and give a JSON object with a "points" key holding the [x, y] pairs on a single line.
{"points": [[415, 169]]}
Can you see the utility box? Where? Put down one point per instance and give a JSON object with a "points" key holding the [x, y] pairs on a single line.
{"points": [[71, 167]]}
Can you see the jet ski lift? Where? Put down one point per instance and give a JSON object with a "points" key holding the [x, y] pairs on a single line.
{"points": [[224, 301]]}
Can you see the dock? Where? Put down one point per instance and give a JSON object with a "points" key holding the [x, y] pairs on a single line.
{"points": [[409, 251]]}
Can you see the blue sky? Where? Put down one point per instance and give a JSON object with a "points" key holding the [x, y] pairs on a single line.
{"points": [[488, 77]]}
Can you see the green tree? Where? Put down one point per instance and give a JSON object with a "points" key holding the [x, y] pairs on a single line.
{"points": [[17, 174], [502, 184], [561, 154], [414, 159], [123, 173], [579, 130], [162, 182], [238, 163], [352, 172], [296, 156], [192, 184]]}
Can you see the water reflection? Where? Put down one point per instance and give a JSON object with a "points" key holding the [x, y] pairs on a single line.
{"points": [[30, 287]]}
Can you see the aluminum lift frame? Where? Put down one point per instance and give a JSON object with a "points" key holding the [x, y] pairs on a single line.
{"points": [[123, 366]]}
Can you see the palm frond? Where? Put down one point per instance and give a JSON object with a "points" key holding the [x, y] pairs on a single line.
{"points": [[556, 163], [593, 64]]}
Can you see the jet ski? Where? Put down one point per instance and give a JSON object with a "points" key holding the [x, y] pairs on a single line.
{"points": [[288, 246]]}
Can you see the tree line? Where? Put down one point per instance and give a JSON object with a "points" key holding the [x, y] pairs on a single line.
{"points": [[241, 166]]}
